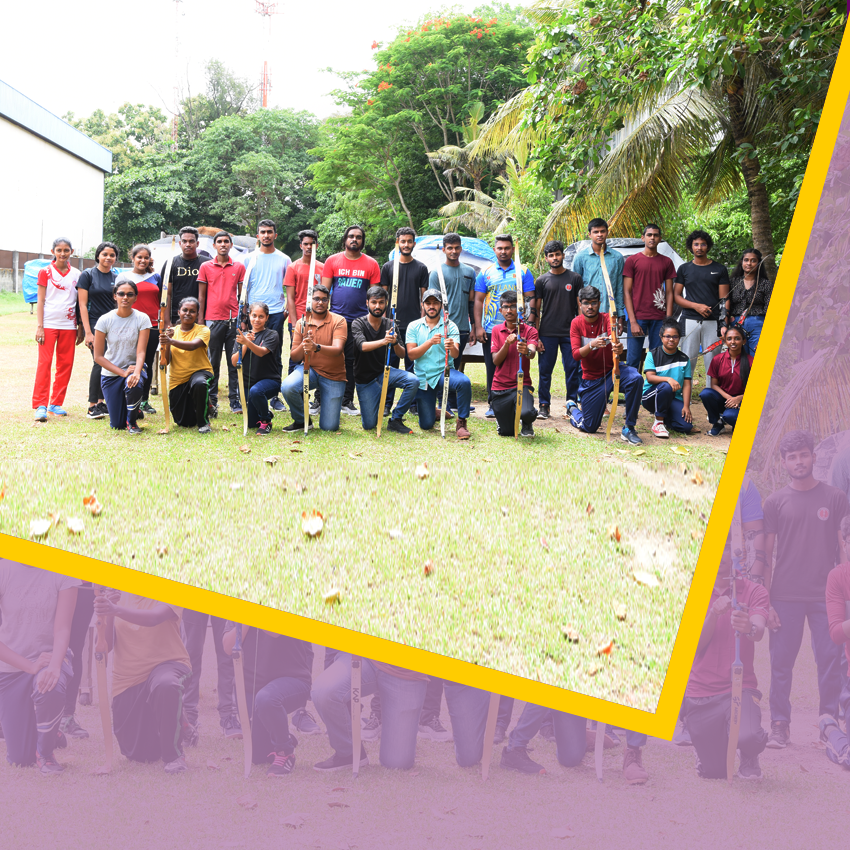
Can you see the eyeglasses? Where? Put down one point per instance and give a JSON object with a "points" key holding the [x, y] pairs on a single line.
{"points": [[667, 336], [320, 300], [125, 294]]}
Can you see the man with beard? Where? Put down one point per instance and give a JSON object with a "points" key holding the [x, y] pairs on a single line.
{"points": [[587, 264], [183, 281]]}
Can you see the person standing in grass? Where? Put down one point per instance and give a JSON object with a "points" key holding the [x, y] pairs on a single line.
{"points": [[667, 384], [278, 675], [728, 373], [183, 281], [749, 296], [191, 374], [150, 294], [150, 670], [587, 264], [261, 366], [57, 331], [120, 342], [590, 337], [36, 611]]}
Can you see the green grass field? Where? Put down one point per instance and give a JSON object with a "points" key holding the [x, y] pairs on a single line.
{"points": [[520, 532]]}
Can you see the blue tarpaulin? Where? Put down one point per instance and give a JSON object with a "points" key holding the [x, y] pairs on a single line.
{"points": [[429, 250], [30, 281]]}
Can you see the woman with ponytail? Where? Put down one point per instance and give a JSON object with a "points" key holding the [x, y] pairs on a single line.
{"points": [[728, 373]]}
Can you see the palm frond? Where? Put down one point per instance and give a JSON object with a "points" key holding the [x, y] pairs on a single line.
{"points": [[719, 175]]}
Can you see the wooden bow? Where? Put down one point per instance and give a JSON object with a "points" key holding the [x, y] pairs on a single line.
{"points": [[520, 378], [737, 666], [101, 651], [242, 700], [163, 349], [393, 301], [446, 371], [305, 334], [615, 369]]}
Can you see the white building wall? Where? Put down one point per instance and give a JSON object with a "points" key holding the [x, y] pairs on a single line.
{"points": [[44, 188]]}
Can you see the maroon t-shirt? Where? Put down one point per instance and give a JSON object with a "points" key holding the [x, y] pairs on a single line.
{"points": [[725, 375], [504, 378], [711, 673], [648, 275], [837, 601], [601, 361]]}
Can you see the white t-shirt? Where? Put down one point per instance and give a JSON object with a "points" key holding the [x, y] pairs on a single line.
{"points": [[122, 337], [60, 297], [28, 599]]}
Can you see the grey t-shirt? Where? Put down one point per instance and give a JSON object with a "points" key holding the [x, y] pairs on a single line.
{"points": [[28, 599], [459, 281], [122, 337]]}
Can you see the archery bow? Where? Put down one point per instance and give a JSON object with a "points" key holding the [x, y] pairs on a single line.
{"points": [[242, 699], [600, 746], [446, 372], [393, 300], [489, 733], [101, 650], [163, 349], [355, 714], [615, 369], [241, 323], [520, 377], [737, 666], [305, 333]]}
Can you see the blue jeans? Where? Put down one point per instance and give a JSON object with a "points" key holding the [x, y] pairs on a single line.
{"points": [[426, 400], [269, 723], [275, 323], [546, 365], [634, 344], [752, 327], [570, 737], [468, 714], [662, 402], [401, 705], [715, 408], [837, 745], [369, 396], [258, 401], [123, 402], [785, 643], [594, 397], [332, 393]]}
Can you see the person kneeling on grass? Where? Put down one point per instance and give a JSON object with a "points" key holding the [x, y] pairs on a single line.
{"points": [[426, 345], [261, 367], [707, 706], [590, 337], [150, 670], [667, 383], [506, 351], [324, 341], [729, 373], [372, 336], [191, 373], [120, 343]]}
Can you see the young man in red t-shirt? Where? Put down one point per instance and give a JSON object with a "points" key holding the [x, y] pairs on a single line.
{"points": [[707, 707], [219, 288], [590, 339], [648, 292]]}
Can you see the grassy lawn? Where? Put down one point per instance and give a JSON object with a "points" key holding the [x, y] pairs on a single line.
{"points": [[520, 532]]}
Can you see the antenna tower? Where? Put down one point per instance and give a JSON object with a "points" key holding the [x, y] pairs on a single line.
{"points": [[266, 10]]}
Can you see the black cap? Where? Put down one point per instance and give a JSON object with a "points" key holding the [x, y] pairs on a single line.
{"points": [[432, 293]]}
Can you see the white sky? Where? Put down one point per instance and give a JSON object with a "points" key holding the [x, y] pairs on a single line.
{"points": [[90, 54]]}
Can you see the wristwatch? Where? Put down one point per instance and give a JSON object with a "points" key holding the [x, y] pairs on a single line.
{"points": [[318, 348]]}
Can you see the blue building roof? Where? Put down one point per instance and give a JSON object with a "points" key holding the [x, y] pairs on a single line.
{"points": [[26, 113]]}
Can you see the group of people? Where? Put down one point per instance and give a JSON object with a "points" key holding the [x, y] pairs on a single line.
{"points": [[349, 335]]}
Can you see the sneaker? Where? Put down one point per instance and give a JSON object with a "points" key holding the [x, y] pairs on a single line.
{"points": [[265, 429], [95, 412], [659, 430], [205, 429], [716, 429], [212, 411], [543, 412], [612, 739], [500, 734], [681, 737], [547, 731], [490, 414], [140, 416], [148, 408], [48, 765], [633, 771], [349, 409], [315, 408], [449, 414], [519, 760], [573, 413], [629, 435], [72, 729], [824, 722], [278, 405], [41, 414], [338, 762], [370, 730], [398, 426], [304, 722], [527, 431], [461, 431], [56, 410], [235, 407], [413, 410], [283, 765], [176, 766], [231, 727], [749, 768], [189, 735], [134, 430], [61, 740], [780, 735], [295, 427], [435, 730], [101, 406]]}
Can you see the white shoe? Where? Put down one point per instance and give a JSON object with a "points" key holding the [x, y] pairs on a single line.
{"points": [[659, 430]]}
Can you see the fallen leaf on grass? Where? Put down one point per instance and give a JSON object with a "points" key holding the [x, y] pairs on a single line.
{"points": [[620, 610], [662, 494], [162, 431], [293, 821], [40, 527], [161, 551], [355, 455], [75, 526], [2, 493], [332, 597], [422, 471], [247, 802], [312, 523], [544, 543], [505, 510], [614, 533], [802, 767], [570, 634], [429, 567], [91, 502], [592, 670], [271, 460], [335, 804], [212, 765], [339, 788], [696, 535], [561, 832], [246, 450], [589, 509], [639, 452], [297, 450], [394, 533], [236, 486], [225, 427], [102, 770], [645, 578], [681, 450], [697, 479], [605, 647]]}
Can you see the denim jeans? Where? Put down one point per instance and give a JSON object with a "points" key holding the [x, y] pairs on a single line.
{"points": [[369, 396], [468, 715], [546, 365], [594, 398], [332, 393], [195, 631], [570, 736], [715, 408], [269, 723], [258, 401], [275, 323], [401, 705], [785, 643], [837, 745], [634, 344], [426, 400], [123, 402], [752, 327]]}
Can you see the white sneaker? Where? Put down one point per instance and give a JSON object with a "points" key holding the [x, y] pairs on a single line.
{"points": [[659, 430]]}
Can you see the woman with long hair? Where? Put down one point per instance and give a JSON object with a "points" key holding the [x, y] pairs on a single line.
{"points": [[728, 373], [749, 296]]}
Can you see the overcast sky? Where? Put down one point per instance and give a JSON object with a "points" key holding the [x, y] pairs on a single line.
{"points": [[90, 54]]}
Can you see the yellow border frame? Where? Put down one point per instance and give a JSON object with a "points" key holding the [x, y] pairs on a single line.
{"points": [[660, 724]]}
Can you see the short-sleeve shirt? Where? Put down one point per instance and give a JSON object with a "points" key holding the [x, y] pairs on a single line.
{"points": [[837, 599], [183, 281], [429, 368], [267, 656], [710, 672], [60, 297], [557, 302], [99, 285], [369, 365], [256, 368], [648, 275], [28, 600], [494, 281], [702, 286], [349, 281], [676, 366], [412, 280], [138, 649], [264, 279], [150, 291], [324, 332], [727, 376], [222, 283], [504, 376], [122, 337], [460, 281], [600, 361], [184, 363], [296, 277], [588, 266], [806, 524]]}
